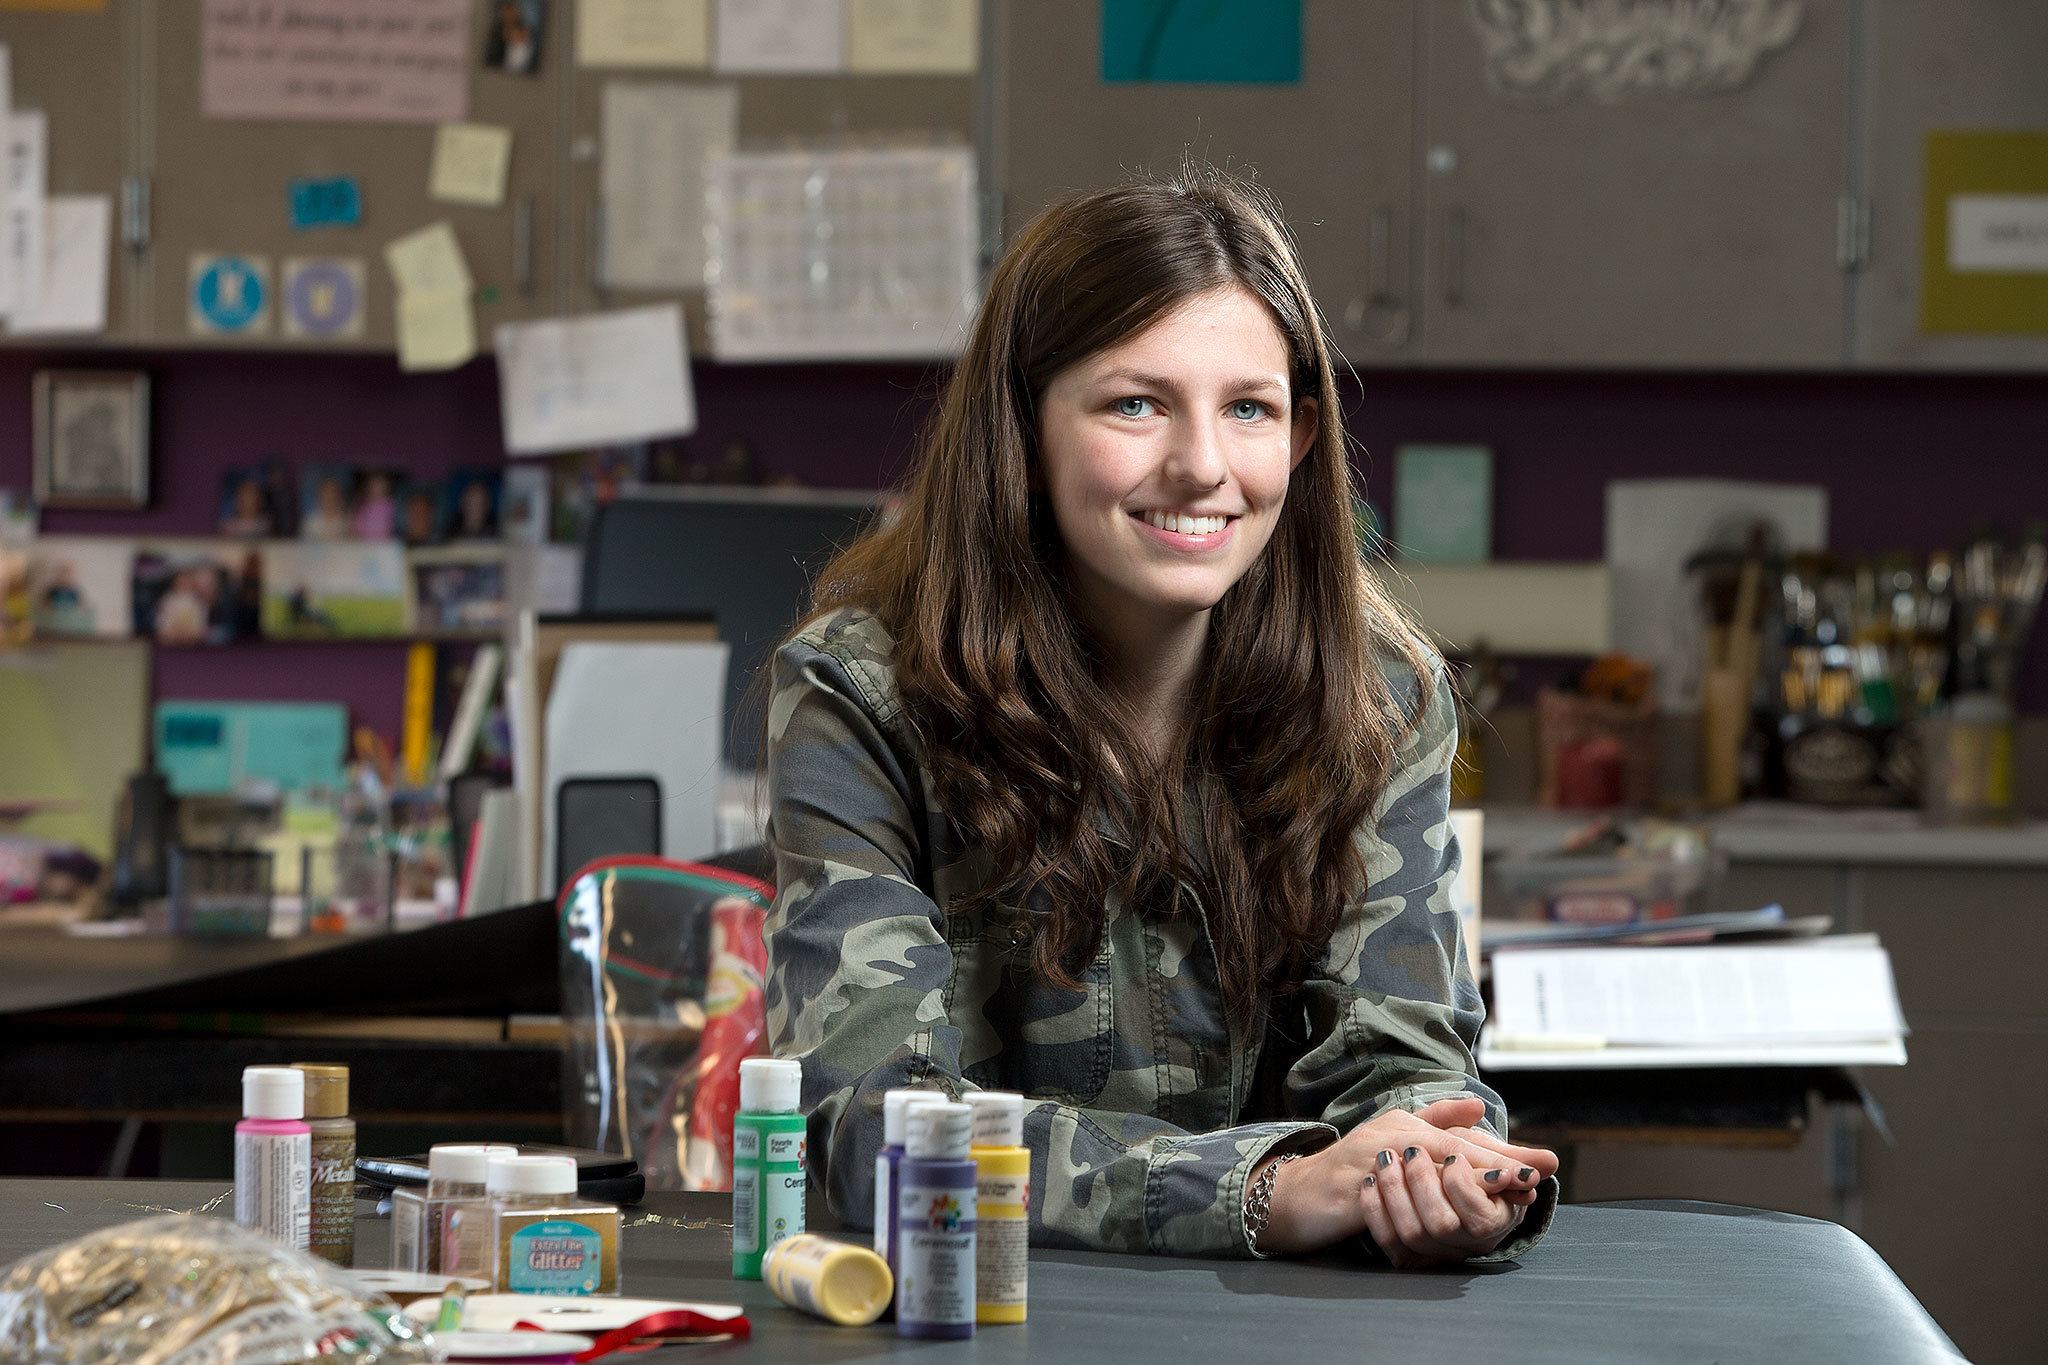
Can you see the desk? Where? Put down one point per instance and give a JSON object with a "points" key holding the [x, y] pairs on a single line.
{"points": [[1638, 1281]]}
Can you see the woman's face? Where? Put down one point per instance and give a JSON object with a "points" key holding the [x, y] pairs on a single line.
{"points": [[1189, 419]]}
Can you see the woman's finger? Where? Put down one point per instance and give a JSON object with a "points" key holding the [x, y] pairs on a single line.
{"points": [[1542, 1158], [1372, 1207], [1483, 1218], [1409, 1233], [1426, 1192]]}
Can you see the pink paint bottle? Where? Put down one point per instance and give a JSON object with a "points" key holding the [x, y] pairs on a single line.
{"points": [[274, 1156]]}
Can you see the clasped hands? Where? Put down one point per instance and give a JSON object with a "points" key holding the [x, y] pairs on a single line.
{"points": [[1430, 1188]]}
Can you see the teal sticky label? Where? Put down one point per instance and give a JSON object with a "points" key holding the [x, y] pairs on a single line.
{"points": [[555, 1257]]}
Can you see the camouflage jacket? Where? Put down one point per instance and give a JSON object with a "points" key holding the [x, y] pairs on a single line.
{"points": [[1151, 1108]]}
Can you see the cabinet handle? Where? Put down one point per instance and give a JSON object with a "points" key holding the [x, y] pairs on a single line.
{"points": [[1379, 268], [1454, 255], [597, 248], [522, 246]]}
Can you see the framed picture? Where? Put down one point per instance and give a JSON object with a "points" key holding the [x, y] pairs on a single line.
{"points": [[91, 430]]}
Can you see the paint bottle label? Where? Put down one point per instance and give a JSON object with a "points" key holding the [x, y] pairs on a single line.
{"points": [[935, 1278], [782, 1187], [274, 1185], [1002, 1248], [884, 1203], [555, 1257], [746, 1206]]}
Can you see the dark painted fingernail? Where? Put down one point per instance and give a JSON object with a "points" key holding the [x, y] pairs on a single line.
{"points": [[1410, 1154], [1386, 1160], [1371, 1180], [1525, 1173], [1449, 1159], [1492, 1176]]}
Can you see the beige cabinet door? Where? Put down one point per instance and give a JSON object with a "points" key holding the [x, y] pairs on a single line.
{"points": [[773, 111], [79, 69], [221, 186], [1961, 66], [1336, 149], [1660, 230]]}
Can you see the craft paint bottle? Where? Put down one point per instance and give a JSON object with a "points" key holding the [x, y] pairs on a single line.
{"points": [[1002, 1214], [838, 1281], [274, 1156], [896, 1104], [426, 1232], [334, 1161], [768, 1152], [545, 1238], [935, 1224]]}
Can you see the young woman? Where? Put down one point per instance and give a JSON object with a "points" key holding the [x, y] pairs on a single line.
{"points": [[1106, 773]]}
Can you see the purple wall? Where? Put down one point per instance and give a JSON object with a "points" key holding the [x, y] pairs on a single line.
{"points": [[1910, 462]]}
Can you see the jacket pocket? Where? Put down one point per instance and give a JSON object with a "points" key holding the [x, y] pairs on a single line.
{"points": [[1023, 1032]]}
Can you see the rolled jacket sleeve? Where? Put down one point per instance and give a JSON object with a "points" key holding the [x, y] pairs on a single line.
{"points": [[1393, 1010]]}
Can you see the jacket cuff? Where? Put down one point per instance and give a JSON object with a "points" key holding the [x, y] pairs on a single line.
{"points": [[1195, 1186], [1530, 1230]]}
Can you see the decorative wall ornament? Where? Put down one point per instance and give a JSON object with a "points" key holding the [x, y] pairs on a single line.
{"points": [[1621, 49]]}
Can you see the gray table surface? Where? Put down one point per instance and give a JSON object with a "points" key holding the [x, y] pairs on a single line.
{"points": [[1635, 1281]]}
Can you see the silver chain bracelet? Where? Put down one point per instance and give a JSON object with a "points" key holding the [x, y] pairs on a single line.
{"points": [[1258, 1202]]}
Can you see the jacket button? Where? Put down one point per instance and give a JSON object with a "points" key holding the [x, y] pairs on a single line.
{"points": [[1020, 932]]}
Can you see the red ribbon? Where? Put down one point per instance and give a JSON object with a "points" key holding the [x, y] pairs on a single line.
{"points": [[678, 1324]]}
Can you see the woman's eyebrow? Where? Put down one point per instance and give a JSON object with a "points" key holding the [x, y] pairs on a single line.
{"points": [[1144, 379]]}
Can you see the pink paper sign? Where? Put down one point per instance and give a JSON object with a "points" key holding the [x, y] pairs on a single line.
{"points": [[381, 61]]}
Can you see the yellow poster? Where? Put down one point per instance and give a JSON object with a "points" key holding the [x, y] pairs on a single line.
{"points": [[643, 33], [1984, 233]]}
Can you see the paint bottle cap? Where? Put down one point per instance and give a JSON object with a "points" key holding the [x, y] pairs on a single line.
{"points": [[326, 1089], [896, 1104], [531, 1175], [771, 1085], [463, 1163], [998, 1117], [938, 1132], [273, 1092]]}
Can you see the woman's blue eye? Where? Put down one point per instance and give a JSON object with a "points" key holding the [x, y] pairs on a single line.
{"points": [[1132, 407], [1246, 410]]}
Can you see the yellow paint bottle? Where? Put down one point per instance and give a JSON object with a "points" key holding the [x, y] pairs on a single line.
{"points": [[837, 1281], [1002, 1251]]}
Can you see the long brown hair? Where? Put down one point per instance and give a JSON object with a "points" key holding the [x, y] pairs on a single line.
{"points": [[1292, 726]]}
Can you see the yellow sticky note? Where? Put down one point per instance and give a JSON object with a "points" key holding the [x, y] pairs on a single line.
{"points": [[470, 160], [429, 262], [927, 37], [436, 330], [643, 33]]}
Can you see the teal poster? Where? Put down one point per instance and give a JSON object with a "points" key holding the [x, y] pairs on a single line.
{"points": [[1239, 41]]}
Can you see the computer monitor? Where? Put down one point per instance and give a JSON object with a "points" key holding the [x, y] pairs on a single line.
{"points": [[746, 557]]}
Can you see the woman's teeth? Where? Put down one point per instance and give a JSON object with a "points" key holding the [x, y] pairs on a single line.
{"points": [[1186, 526]]}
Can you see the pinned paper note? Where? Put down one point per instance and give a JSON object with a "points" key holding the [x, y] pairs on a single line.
{"points": [[429, 262], [643, 33], [229, 295], [654, 222], [383, 61], [77, 232], [21, 218], [323, 298], [922, 37], [333, 202], [781, 35], [470, 161], [599, 380], [436, 330]]}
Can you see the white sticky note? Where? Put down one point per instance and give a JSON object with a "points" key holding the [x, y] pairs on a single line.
{"points": [[436, 330], [77, 237], [643, 33], [924, 37], [781, 36], [598, 380], [2002, 233], [658, 138], [429, 262], [470, 161], [21, 219]]}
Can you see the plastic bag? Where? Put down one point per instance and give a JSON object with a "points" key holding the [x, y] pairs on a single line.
{"points": [[662, 967], [189, 1290]]}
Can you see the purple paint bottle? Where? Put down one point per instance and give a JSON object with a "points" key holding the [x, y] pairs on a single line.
{"points": [[896, 1104], [935, 1205]]}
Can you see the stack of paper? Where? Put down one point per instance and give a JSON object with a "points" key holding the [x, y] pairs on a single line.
{"points": [[1821, 1002]]}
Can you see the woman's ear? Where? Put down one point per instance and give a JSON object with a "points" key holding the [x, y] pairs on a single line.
{"points": [[1307, 422]]}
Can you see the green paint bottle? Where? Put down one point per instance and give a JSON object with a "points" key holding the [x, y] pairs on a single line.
{"points": [[767, 1161]]}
